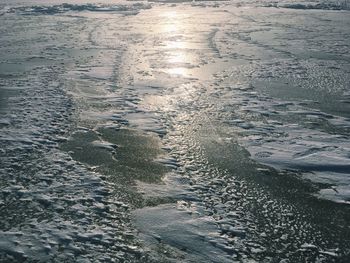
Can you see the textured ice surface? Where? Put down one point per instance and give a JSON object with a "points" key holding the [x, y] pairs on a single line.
{"points": [[220, 127], [324, 5], [56, 9], [190, 236], [53, 208]]}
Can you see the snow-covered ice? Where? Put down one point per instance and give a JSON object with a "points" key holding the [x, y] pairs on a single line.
{"points": [[174, 131]]}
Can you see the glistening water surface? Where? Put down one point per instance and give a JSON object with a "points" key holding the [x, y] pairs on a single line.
{"points": [[174, 132]]}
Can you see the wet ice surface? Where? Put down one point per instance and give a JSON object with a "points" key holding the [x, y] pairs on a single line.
{"points": [[53, 208], [187, 132]]}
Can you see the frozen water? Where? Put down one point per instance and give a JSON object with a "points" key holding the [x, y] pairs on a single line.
{"points": [[189, 236], [174, 131]]}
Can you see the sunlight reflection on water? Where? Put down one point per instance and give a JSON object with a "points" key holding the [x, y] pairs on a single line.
{"points": [[174, 27], [178, 71]]}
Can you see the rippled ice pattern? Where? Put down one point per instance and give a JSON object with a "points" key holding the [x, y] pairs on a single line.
{"points": [[174, 131]]}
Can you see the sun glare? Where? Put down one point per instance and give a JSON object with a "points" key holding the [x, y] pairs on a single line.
{"points": [[174, 28]]}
